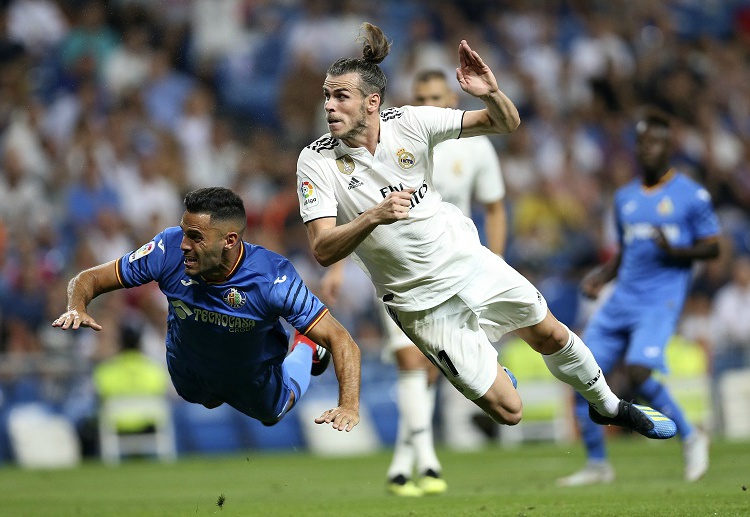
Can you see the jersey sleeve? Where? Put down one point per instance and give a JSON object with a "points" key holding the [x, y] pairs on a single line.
{"points": [[315, 191], [703, 219], [489, 186], [290, 298], [437, 124], [144, 264]]}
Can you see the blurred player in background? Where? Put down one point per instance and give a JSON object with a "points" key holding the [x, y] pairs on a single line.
{"points": [[225, 342], [665, 221], [367, 189], [464, 170]]}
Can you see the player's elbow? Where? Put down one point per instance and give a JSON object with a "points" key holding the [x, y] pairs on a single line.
{"points": [[510, 124], [323, 259], [508, 417]]}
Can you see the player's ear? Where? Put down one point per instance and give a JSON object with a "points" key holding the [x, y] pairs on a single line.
{"points": [[231, 239], [373, 102]]}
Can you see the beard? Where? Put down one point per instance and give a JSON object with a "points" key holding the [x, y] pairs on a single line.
{"points": [[360, 124]]}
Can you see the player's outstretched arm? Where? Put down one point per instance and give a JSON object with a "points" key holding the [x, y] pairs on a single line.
{"points": [[476, 79], [83, 288], [329, 333]]}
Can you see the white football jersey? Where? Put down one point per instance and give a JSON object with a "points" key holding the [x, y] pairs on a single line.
{"points": [[416, 263], [465, 169]]}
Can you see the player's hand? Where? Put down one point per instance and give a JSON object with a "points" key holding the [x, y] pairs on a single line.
{"points": [[661, 240], [331, 282], [74, 319], [340, 418], [592, 284], [394, 207], [473, 75]]}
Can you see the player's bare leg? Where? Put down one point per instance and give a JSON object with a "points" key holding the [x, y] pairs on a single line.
{"points": [[502, 402]]}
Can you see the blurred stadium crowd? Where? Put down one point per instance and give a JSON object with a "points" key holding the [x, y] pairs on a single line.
{"points": [[110, 111]]}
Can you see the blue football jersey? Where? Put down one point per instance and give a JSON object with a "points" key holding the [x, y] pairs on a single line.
{"points": [[230, 326], [683, 210]]}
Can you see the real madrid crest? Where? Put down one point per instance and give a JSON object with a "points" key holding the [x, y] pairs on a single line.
{"points": [[345, 164], [234, 298], [405, 159]]}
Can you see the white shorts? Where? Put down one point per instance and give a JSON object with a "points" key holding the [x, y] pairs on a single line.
{"points": [[457, 335], [394, 338]]}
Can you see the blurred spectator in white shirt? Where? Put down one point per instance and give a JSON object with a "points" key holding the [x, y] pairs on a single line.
{"points": [[37, 24], [129, 65]]}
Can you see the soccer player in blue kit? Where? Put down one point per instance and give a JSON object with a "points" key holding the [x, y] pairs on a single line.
{"points": [[225, 341], [665, 221]]}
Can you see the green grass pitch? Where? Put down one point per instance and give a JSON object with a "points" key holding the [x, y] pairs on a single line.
{"points": [[513, 482]]}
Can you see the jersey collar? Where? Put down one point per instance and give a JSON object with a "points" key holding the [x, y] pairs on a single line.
{"points": [[669, 176], [234, 269]]}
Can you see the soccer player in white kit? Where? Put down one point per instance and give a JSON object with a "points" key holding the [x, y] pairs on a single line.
{"points": [[366, 189], [463, 170]]}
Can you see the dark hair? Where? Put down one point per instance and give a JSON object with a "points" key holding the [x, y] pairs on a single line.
{"points": [[220, 203], [430, 75], [376, 47], [656, 117], [130, 337]]}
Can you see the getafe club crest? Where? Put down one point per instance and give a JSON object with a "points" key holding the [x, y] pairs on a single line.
{"points": [[234, 298], [405, 159], [345, 164], [665, 206]]}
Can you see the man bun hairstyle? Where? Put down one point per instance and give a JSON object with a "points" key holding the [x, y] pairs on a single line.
{"points": [[220, 203], [376, 46], [374, 50]]}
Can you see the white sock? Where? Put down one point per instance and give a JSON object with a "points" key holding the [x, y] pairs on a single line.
{"points": [[414, 443], [425, 445], [575, 365]]}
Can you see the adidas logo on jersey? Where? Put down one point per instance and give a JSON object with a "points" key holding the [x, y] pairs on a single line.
{"points": [[354, 183]]}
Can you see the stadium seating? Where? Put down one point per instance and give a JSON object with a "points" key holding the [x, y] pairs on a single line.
{"points": [[117, 440], [734, 387], [42, 439]]}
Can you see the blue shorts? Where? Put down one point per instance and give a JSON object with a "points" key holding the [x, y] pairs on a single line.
{"points": [[262, 395], [637, 335]]}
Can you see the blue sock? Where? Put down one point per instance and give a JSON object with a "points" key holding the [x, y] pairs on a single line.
{"points": [[591, 433], [658, 396], [298, 363]]}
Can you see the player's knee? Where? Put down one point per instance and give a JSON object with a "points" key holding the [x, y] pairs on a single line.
{"points": [[546, 337], [506, 410], [508, 416]]}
